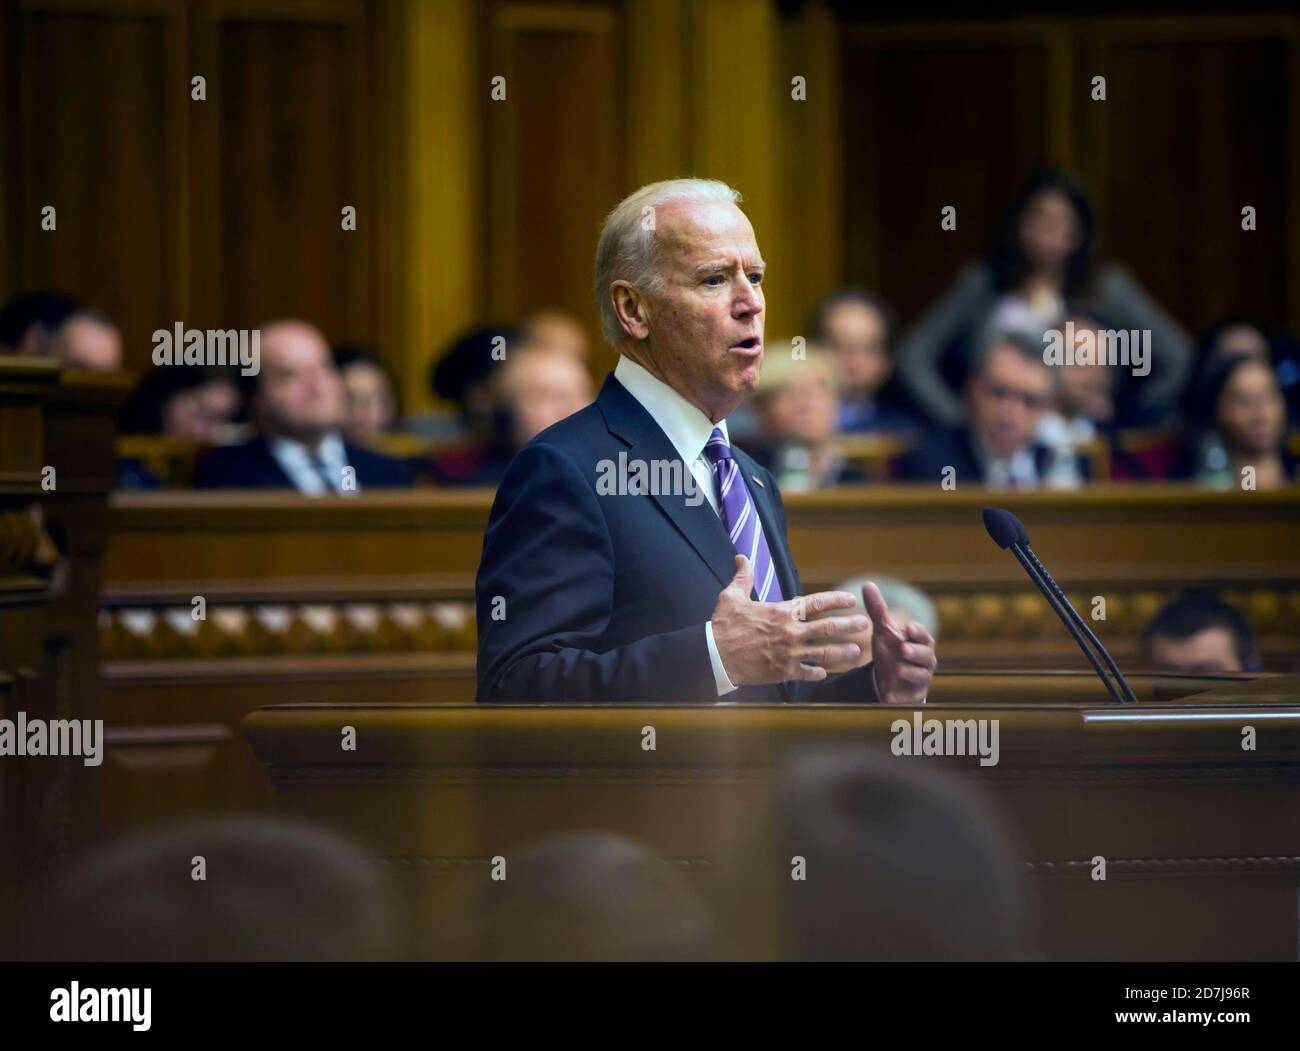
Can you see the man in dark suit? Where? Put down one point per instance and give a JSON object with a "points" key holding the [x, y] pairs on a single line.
{"points": [[1006, 396], [297, 407], [633, 554]]}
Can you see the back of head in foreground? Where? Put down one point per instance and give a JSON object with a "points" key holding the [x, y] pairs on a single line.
{"points": [[270, 890], [868, 857]]}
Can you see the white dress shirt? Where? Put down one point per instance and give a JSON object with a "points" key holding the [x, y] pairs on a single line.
{"points": [[296, 461], [688, 430]]}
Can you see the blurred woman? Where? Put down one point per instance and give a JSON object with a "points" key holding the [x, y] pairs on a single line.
{"points": [[1240, 424], [798, 405], [1042, 259]]}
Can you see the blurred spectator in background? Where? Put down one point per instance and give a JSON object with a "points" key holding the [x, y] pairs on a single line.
{"points": [[1085, 405], [1197, 633], [296, 406], [194, 403], [1237, 335], [555, 330], [1006, 396], [1238, 422], [531, 390], [28, 321], [1042, 259], [582, 896], [87, 340], [272, 890], [462, 375], [900, 862], [856, 326], [369, 408], [798, 408]]}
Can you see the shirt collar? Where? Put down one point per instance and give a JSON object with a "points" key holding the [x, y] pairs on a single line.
{"points": [[685, 425], [1019, 466], [330, 450]]}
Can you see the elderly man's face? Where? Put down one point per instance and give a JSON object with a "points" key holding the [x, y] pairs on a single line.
{"points": [[703, 330]]}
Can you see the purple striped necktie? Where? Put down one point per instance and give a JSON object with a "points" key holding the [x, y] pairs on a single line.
{"points": [[740, 516]]}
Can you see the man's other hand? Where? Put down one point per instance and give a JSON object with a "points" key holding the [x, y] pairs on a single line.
{"points": [[904, 657]]}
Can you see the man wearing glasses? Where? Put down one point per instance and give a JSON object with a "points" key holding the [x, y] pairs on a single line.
{"points": [[1006, 396]]}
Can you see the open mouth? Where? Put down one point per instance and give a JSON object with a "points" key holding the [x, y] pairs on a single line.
{"points": [[753, 343]]}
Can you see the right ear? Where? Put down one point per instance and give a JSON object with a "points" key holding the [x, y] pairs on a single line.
{"points": [[630, 308]]}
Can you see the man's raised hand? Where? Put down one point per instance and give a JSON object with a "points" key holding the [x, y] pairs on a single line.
{"points": [[904, 657], [764, 642]]}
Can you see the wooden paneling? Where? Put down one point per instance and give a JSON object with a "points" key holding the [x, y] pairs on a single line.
{"points": [[1186, 820], [936, 117], [1194, 128], [94, 145], [1200, 119], [291, 147], [555, 152]]}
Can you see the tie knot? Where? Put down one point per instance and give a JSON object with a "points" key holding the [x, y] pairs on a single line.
{"points": [[717, 449]]}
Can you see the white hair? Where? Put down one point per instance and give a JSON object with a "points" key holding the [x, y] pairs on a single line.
{"points": [[627, 247]]}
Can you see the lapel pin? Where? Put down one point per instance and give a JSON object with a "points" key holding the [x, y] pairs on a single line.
{"points": [[758, 481]]}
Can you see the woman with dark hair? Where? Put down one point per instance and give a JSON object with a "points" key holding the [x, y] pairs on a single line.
{"points": [[1042, 258], [1238, 422]]}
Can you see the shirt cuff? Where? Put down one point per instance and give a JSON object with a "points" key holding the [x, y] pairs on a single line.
{"points": [[720, 679]]}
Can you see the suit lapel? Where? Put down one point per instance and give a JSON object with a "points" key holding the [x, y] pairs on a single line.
{"points": [[627, 419], [270, 468]]}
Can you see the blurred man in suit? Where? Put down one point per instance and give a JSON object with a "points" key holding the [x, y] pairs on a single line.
{"points": [[297, 408], [1006, 396], [632, 553]]}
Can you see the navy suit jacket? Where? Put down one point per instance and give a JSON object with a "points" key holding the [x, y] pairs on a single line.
{"points": [[952, 448], [585, 597], [251, 466]]}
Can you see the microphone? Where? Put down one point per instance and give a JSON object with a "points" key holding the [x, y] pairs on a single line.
{"points": [[1008, 531]]}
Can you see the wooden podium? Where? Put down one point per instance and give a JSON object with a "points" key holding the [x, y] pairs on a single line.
{"points": [[1199, 830]]}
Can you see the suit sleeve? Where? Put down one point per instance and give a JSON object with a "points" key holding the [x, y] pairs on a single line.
{"points": [[545, 598], [852, 687]]}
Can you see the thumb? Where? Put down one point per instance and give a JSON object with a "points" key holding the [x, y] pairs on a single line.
{"points": [[744, 578], [876, 609]]}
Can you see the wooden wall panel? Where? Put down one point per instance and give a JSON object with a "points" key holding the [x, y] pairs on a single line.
{"points": [[93, 144], [555, 158], [1194, 127], [937, 117], [291, 148]]}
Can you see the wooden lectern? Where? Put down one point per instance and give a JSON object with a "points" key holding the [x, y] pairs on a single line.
{"points": [[1191, 797]]}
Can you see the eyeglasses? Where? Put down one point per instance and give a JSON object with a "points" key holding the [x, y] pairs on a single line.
{"points": [[1032, 402]]}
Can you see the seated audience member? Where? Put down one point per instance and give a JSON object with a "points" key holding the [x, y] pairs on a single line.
{"points": [[273, 890], [900, 862], [1085, 405], [296, 406], [369, 408], [1006, 396], [532, 390], [856, 326], [1237, 335], [27, 322], [1042, 258], [557, 331], [195, 403], [580, 897], [1198, 633], [87, 340], [462, 376], [798, 407], [1236, 439]]}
